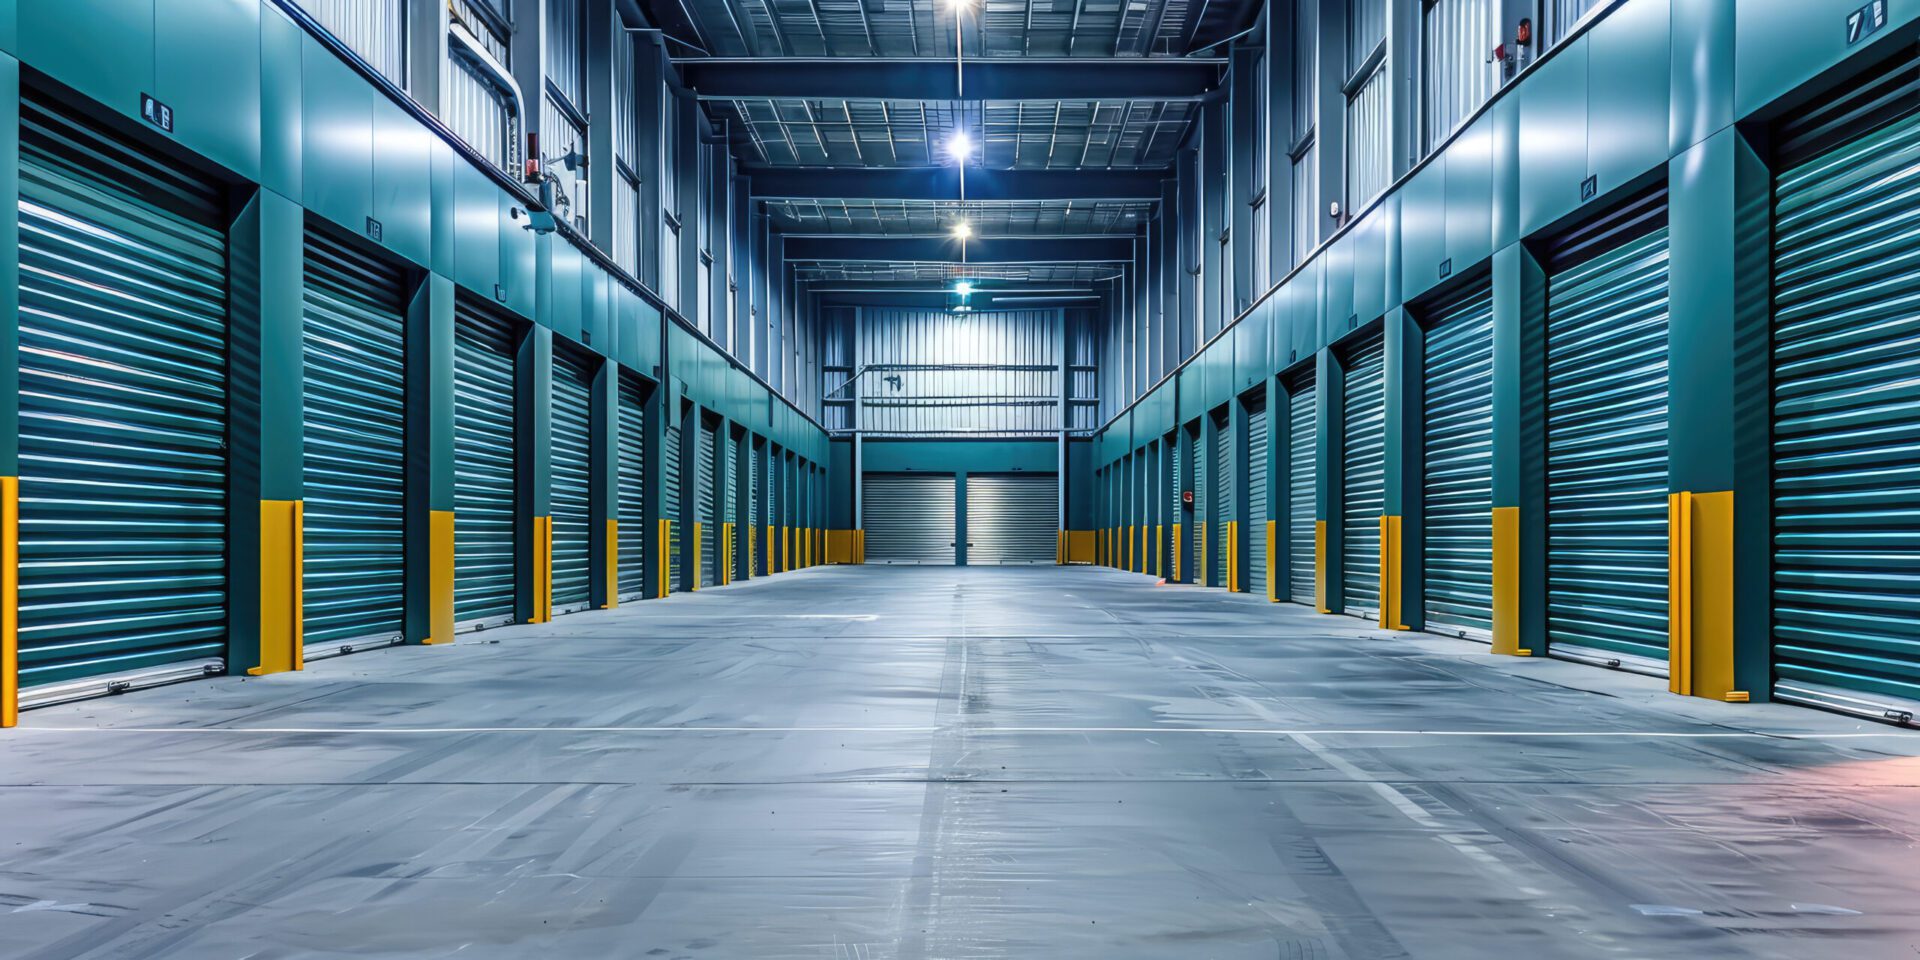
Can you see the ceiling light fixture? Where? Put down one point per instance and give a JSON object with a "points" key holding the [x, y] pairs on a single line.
{"points": [[963, 288], [960, 145], [962, 230]]}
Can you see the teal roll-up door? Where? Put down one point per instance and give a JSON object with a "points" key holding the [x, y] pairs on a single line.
{"points": [[704, 492], [123, 411], [776, 501], [1223, 506], [671, 476], [354, 489], [483, 459], [1257, 498], [754, 537], [569, 467], [1846, 412], [1363, 464], [730, 497], [1196, 512], [1303, 451], [634, 535], [1174, 509], [1457, 491], [1607, 456]]}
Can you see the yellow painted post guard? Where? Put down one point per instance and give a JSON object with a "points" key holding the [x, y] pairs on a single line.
{"points": [[1320, 567], [1233, 556], [1176, 553], [542, 570], [693, 572], [440, 586], [282, 625], [664, 563], [1506, 583], [1700, 596], [1273, 589], [1159, 551], [1390, 562], [9, 601], [612, 565]]}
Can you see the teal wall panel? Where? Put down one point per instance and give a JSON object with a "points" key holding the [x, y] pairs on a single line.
{"points": [[207, 68], [1505, 191], [517, 267], [336, 139], [443, 208], [1781, 44], [101, 48], [1701, 66], [402, 182], [1553, 138], [1469, 188], [1370, 263], [596, 304], [1250, 351], [1337, 292], [1628, 111], [1423, 229], [476, 232], [560, 301], [975, 456], [281, 128]]}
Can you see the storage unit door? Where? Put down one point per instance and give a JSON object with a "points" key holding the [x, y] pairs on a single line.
{"points": [[773, 511], [123, 412], [354, 416], [754, 536], [1195, 514], [1174, 509], [730, 498], [1363, 463], [1257, 500], [672, 478], [1012, 517], [483, 463], [1458, 486], [1846, 424], [1302, 460], [1607, 457], [567, 492], [703, 506], [634, 535], [909, 517], [1222, 500]]}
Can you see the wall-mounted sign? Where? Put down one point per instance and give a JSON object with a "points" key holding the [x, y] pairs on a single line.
{"points": [[1186, 497], [156, 113], [1862, 23]]}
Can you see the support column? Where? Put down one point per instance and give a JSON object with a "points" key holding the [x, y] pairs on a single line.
{"points": [[1519, 453], [1329, 400], [430, 466], [1279, 558], [688, 416], [1402, 597], [533, 518], [9, 399], [1237, 451], [603, 481]]}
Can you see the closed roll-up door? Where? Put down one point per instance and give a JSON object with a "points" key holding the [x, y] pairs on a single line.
{"points": [[908, 517], [123, 412], [354, 410], [1363, 463], [1012, 518], [1302, 457], [634, 535], [483, 457], [1174, 509], [567, 494], [1222, 499], [730, 497], [753, 538], [1607, 456], [1197, 513], [671, 476], [1458, 488], [774, 501], [1257, 499], [1846, 412], [704, 494]]}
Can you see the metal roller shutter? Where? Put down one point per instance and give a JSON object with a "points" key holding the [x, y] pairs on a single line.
{"points": [[1012, 518], [908, 517], [730, 495], [1196, 514], [1846, 411], [1458, 488], [1257, 499], [634, 535], [1172, 445], [774, 502], [568, 492], [756, 513], [483, 457], [1363, 456], [1302, 461], [672, 478], [1222, 499], [705, 489], [1607, 457], [354, 412], [123, 413]]}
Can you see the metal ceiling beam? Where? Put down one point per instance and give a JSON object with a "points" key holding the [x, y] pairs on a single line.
{"points": [[989, 250], [821, 78], [943, 183]]}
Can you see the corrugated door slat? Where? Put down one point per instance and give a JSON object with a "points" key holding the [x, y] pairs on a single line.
{"points": [[1846, 424], [908, 517], [123, 407], [1458, 489], [1196, 513], [1302, 456], [567, 494], [730, 494], [634, 535], [704, 492], [1222, 499], [1363, 462], [1257, 500], [1172, 495], [1607, 454], [354, 562], [672, 478], [774, 501], [754, 536], [483, 455], [1012, 518]]}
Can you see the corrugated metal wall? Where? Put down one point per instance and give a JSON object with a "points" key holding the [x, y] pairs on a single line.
{"points": [[993, 372], [1369, 141], [470, 103], [1455, 75], [374, 29]]}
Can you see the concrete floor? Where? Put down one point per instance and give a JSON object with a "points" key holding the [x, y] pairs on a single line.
{"points": [[938, 762]]}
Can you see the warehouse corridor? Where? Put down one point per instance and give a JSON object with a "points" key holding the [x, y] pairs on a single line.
{"points": [[872, 762]]}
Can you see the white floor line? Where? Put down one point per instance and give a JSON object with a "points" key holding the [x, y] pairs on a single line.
{"points": [[990, 731]]}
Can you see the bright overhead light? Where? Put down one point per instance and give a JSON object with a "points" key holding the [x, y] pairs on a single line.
{"points": [[963, 288], [960, 145], [962, 230]]}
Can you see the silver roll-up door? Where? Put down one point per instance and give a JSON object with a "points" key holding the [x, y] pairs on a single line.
{"points": [[1846, 405], [703, 498], [775, 500], [634, 535], [1303, 451], [1458, 444], [1607, 456], [354, 490], [1257, 498], [1196, 511], [569, 467], [730, 498], [1223, 506], [484, 476], [123, 412], [1172, 445], [671, 476], [1012, 517], [1363, 462], [908, 517], [755, 535]]}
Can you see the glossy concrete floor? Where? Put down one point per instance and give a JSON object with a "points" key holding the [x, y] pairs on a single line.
{"points": [[937, 762]]}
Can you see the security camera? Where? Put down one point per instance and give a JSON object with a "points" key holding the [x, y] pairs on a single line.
{"points": [[541, 221]]}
